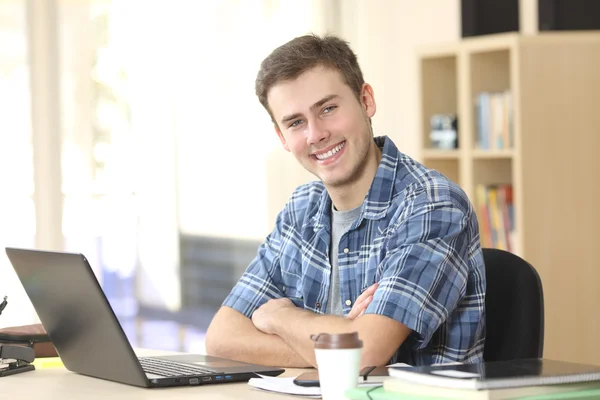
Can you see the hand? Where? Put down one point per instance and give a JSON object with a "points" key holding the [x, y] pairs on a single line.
{"points": [[362, 301], [266, 316]]}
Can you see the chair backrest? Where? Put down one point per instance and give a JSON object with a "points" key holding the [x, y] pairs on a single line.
{"points": [[514, 308]]}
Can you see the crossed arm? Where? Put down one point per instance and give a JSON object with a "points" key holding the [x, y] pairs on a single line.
{"points": [[279, 333]]}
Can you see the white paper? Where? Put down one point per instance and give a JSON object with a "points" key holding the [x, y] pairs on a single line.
{"points": [[449, 363], [284, 385], [399, 365], [287, 385], [455, 374]]}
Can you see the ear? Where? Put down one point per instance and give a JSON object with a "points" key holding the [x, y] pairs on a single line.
{"points": [[367, 100], [283, 142]]}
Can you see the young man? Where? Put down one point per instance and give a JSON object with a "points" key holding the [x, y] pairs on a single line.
{"points": [[380, 244]]}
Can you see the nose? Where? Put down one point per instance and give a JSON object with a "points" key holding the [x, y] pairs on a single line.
{"points": [[317, 132]]}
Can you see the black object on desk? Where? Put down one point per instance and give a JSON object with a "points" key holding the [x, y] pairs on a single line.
{"points": [[311, 378], [15, 358]]}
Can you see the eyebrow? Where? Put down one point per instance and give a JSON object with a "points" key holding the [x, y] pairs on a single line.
{"points": [[318, 104]]}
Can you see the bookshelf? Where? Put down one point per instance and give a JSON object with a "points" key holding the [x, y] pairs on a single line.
{"points": [[528, 110]]}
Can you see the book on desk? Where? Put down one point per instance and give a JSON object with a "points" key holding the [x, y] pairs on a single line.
{"points": [[518, 379]]}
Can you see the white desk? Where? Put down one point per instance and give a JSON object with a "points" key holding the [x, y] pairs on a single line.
{"points": [[59, 383]]}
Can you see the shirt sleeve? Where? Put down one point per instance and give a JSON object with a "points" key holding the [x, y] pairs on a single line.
{"points": [[259, 283], [425, 271]]}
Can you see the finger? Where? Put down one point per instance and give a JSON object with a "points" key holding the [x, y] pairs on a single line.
{"points": [[355, 310], [352, 313], [359, 303], [368, 292], [373, 287], [366, 303], [364, 307], [359, 308]]}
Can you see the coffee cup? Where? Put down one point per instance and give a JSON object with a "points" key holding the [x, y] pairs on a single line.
{"points": [[338, 363]]}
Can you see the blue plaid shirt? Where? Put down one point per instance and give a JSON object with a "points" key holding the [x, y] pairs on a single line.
{"points": [[417, 235]]}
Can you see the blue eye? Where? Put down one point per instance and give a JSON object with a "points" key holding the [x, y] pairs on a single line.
{"points": [[329, 109], [295, 123]]}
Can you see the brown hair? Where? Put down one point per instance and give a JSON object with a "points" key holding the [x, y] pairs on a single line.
{"points": [[303, 53]]}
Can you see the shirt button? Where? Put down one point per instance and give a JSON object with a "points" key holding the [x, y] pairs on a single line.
{"points": [[348, 302], [346, 250], [283, 289], [318, 305]]}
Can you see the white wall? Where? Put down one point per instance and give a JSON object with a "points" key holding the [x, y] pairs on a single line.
{"points": [[224, 135]]}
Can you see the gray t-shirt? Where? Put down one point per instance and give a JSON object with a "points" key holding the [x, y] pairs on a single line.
{"points": [[341, 221]]}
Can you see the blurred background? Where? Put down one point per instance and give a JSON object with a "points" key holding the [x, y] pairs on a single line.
{"points": [[130, 132]]}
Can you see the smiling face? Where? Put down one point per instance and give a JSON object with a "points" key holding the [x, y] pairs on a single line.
{"points": [[322, 123]]}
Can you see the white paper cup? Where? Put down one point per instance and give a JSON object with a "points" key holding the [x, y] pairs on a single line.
{"points": [[338, 361]]}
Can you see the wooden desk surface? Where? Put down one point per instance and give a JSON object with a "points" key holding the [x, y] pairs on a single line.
{"points": [[59, 383]]}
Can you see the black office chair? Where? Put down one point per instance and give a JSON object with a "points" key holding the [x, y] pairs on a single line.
{"points": [[514, 308]]}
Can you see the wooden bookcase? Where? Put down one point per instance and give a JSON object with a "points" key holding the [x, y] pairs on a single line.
{"points": [[552, 164]]}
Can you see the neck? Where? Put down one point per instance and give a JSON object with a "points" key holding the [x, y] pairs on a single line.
{"points": [[352, 194]]}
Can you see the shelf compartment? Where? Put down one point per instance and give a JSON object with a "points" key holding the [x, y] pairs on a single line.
{"points": [[492, 171], [435, 154], [438, 90], [490, 72], [479, 154], [448, 167]]}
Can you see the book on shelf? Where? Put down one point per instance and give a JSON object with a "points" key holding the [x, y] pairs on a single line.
{"points": [[495, 120], [494, 207]]}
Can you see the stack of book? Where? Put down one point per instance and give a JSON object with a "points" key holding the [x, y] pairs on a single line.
{"points": [[495, 121], [531, 379], [495, 212]]}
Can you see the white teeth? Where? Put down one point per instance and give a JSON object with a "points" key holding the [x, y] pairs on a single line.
{"points": [[331, 152]]}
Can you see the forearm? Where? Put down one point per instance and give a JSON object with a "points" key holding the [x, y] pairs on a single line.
{"points": [[297, 326], [232, 335], [381, 336]]}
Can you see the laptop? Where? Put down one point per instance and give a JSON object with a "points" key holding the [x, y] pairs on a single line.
{"points": [[88, 337]]}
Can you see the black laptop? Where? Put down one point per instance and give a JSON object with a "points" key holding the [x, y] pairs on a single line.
{"points": [[88, 337]]}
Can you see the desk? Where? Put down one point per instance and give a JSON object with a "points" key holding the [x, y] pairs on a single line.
{"points": [[59, 383]]}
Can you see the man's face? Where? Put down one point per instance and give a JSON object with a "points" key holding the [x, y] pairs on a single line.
{"points": [[320, 121]]}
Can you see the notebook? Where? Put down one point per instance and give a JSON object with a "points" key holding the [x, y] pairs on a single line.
{"points": [[407, 389], [90, 340], [381, 394], [499, 374]]}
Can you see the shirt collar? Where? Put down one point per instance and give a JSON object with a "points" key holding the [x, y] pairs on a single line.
{"points": [[380, 194]]}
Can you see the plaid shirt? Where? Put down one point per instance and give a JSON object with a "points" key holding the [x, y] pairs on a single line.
{"points": [[417, 235]]}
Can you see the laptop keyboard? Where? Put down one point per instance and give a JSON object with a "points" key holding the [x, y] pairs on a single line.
{"points": [[171, 368]]}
